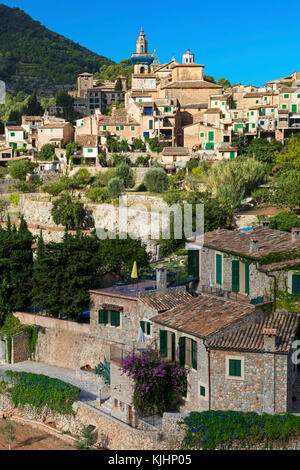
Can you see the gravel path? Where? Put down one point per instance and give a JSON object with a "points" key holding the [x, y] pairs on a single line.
{"points": [[89, 390]]}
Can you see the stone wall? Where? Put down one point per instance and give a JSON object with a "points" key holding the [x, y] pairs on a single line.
{"points": [[64, 343], [262, 389]]}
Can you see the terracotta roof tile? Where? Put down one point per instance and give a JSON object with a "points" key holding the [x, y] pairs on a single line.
{"points": [[251, 338], [161, 303], [203, 316]]}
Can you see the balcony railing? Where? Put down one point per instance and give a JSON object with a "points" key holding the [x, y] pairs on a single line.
{"points": [[237, 296]]}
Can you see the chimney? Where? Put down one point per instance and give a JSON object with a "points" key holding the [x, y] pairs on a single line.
{"points": [[265, 223], [161, 277], [253, 245], [295, 234], [269, 335]]}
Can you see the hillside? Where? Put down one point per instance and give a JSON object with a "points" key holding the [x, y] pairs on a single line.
{"points": [[32, 56]]}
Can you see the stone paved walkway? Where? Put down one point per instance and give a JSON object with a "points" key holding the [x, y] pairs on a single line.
{"points": [[89, 390]]}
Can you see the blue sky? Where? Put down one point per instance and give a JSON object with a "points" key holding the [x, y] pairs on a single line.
{"points": [[247, 42]]}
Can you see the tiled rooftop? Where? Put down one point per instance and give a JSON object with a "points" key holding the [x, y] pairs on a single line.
{"points": [[204, 315], [161, 303], [251, 338], [236, 241]]}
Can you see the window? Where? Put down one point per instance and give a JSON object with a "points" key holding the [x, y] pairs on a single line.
{"points": [[117, 128], [151, 124], [90, 150], [253, 126], [252, 113], [12, 134], [236, 115], [106, 317], [167, 344], [235, 367], [81, 124], [232, 155], [122, 128], [193, 263], [201, 134], [132, 128], [256, 101], [146, 327], [294, 108], [286, 96], [262, 123], [104, 128], [202, 391], [265, 98], [247, 114], [283, 106], [188, 352], [235, 264], [298, 96], [216, 103], [218, 269], [211, 135], [296, 284], [223, 103]]}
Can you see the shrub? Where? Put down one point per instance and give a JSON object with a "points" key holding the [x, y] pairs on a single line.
{"points": [[220, 429], [40, 390], [85, 439], [68, 213], [142, 161], [27, 186], [3, 172], [285, 221], [14, 199], [46, 153], [156, 180], [138, 144], [103, 369], [141, 187], [19, 169], [155, 145], [98, 194], [125, 173], [158, 385], [102, 179], [115, 187]]}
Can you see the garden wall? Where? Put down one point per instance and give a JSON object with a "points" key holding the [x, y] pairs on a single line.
{"points": [[64, 343]]}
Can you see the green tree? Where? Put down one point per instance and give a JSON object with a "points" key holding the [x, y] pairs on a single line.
{"points": [[156, 180], [16, 265], [68, 213], [241, 142], [289, 158], [118, 84], [82, 178], [285, 221], [115, 187], [138, 144], [33, 107], [223, 82], [118, 255], [46, 153], [85, 439], [97, 194], [19, 169], [285, 190], [63, 274], [263, 150], [125, 173], [209, 78], [64, 100]]}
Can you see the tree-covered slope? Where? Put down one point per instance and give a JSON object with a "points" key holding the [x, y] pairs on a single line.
{"points": [[28, 49]]}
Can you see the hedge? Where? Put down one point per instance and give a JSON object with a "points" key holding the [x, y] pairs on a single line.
{"points": [[40, 390]]}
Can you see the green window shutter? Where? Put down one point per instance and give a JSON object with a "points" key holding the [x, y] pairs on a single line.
{"points": [[252, 113], [246, 278], [163, 339], [223, 103], [90, 150], [262, 122], [202, 391], [142, 325], [148, 328], [103, 316], [151, 124], [132, 128], [235, 276], [286, 96], [211, 135], [194, 354], [231, 155], [235, 367], [296, 284], [12, 134], [173, 346], [182, 351], [283, 106], [294, 108], [253, 126], [104, 128], [115, 318], [298, 96], [201, 134], [218, 269], [193, 263], [263, 111]]}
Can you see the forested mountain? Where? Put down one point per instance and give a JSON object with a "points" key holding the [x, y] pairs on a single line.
{"points": [[32, 55]]}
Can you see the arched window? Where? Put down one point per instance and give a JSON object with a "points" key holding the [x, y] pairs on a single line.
{"points": [[142, 70], [142, 49]]}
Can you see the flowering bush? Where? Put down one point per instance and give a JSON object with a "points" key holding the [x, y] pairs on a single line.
{"points": [[158, 385], [40, 390], [220, 429]]}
